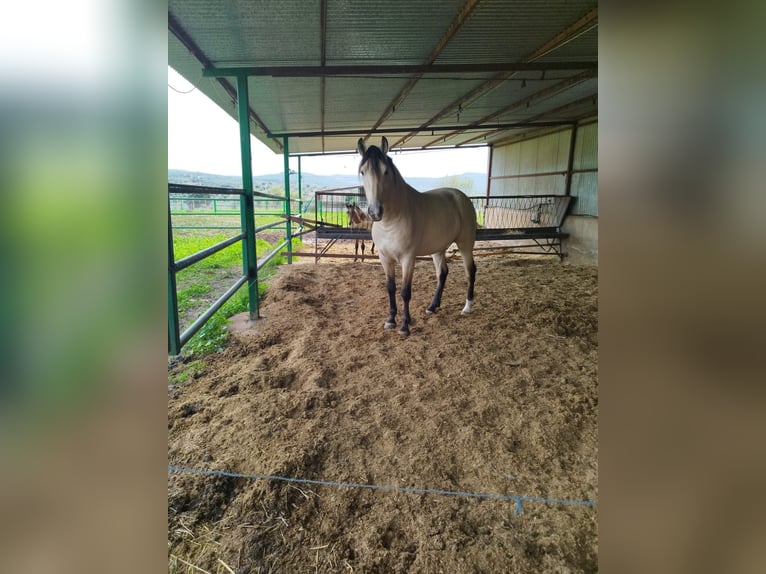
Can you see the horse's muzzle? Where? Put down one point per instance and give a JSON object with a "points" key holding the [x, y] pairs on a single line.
{"points": [[375, 211]]}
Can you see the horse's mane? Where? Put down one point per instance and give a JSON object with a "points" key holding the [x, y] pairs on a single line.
{"points": [[375, 154]]}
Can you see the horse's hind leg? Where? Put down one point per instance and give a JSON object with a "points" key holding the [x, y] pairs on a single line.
{"points": [[356, 250], [440, 262], [466, 251], [408, 270]]}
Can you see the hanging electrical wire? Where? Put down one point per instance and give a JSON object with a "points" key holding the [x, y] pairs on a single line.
{"points": [[180, 92]]}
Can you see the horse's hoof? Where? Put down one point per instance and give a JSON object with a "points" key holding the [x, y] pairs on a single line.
{"points": [[468, 308], [389, 325], [404, 331], [430, 311]]}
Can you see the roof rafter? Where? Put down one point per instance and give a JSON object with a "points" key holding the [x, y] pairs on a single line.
{"points": [[330, 133], [323, 61], [542, 94], [562, 109], [391, 70], [582, 119], [454, 26], [577, 28]]}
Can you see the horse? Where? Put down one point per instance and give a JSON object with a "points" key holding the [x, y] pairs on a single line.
{"points": [[407, 223], [357, 219]]}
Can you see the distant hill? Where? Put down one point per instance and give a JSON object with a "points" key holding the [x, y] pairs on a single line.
{"points": [[214, 180], [473, 183]]}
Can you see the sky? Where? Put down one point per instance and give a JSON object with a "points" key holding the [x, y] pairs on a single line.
{"points": [[202, 137]]}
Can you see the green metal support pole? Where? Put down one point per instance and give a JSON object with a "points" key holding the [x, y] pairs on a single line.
{"points": [[300, 191], [249, 256], [174, 340], [288, 231], [300, 195]]}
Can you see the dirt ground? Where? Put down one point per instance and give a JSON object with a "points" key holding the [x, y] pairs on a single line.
{"points": [[502, 401]]}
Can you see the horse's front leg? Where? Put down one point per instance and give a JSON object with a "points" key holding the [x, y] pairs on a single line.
{"points": [[408, 269], [389, 267]]}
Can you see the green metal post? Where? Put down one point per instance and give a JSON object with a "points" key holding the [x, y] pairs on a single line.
{"points": [[247, 215], [300, 196], [174, 338], [300, 191], [288, 231]]}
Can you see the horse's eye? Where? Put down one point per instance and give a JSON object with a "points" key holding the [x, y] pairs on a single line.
{"points": [[362, 172]]}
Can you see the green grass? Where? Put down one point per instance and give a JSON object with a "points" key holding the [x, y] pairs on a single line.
{"points": [[196, 292], [183, 246], [213, 335], [204, 224], [192, 369], [187, 297]]}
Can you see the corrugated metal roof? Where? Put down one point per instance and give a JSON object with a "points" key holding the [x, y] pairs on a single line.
{"points": [[215, 34]]}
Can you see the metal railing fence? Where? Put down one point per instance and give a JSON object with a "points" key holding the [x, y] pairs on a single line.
{"points": [[247, 235]]}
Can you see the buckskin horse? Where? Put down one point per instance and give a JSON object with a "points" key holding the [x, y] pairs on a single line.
{"points": [[357, 219], [408, 223]]}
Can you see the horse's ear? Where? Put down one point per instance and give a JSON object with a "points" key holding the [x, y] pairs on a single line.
{"points": [[360, 146], [384, 145]]}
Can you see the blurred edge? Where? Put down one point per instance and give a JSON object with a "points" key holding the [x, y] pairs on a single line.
{"points": [[682, 140], [82, 393]]}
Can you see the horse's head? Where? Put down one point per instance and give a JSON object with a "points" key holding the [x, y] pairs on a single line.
{"points": [[377, 172]]}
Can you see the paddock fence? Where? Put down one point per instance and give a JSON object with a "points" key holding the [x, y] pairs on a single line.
{"points": [[523, 224], [193, 201]]}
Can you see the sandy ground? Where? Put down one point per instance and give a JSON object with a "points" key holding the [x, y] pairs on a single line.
{"points": [[502, 401]]}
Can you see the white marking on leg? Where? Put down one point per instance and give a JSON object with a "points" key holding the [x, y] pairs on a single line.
{"points": [[468, 307]]}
